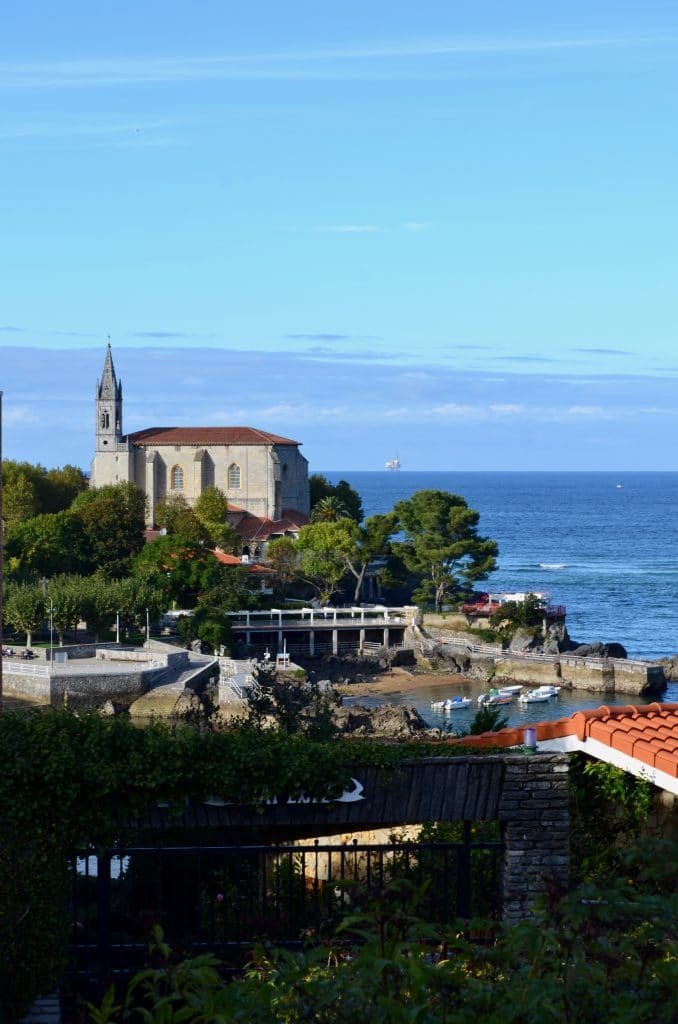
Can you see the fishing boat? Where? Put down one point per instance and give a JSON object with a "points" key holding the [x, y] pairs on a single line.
{"points": [[495, 696]]}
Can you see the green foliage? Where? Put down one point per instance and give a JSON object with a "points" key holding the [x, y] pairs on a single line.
{"points": [[294, 702], [31, 490], [175, 516], [47, 545], [602, 953], [323, 548], [346, 496], [608, 811], [441, 546], [212, 507], [207, 624], [488, 718], [515, 615], [113, 521], [281, 556], [24, 608], [187, 573]]}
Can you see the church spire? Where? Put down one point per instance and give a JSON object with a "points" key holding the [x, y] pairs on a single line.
{"points": [[108, 404]]}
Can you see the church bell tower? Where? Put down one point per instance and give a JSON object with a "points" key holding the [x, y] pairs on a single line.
{"points": [[108, 407]]}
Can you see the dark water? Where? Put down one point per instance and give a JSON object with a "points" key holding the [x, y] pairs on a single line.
{"points": [[603, 544]]}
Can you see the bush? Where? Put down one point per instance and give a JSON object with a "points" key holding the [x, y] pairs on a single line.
{"points": [[602, 953]]}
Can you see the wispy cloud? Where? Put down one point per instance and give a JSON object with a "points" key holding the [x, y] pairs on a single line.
{"points": [[136, 132], [603, 351], [318, 337], [346, 229], [12, 330], [390, 58], [160, 334]]}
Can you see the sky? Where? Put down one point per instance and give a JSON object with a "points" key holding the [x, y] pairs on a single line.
{"points": [[442, 229]]}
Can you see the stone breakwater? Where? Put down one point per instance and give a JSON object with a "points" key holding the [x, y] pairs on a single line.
{"points": [[599, 674]]}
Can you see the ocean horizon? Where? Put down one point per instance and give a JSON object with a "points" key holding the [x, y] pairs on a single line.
{"points": [[603, 544]]}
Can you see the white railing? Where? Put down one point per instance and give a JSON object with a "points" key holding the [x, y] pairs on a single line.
{"points": [[18, 668], [496, 651]]}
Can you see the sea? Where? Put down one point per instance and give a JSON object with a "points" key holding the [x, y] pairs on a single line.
{"points": [[605, 545]]}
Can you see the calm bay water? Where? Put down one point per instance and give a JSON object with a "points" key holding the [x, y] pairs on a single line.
{"points": [[603, 544]]}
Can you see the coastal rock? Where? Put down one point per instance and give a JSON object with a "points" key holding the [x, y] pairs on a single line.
{"points": [[188, 702], [599, 650], [390, 721], [523, 640]]}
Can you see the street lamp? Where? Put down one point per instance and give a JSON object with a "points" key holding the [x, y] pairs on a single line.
{"points": [[148, 629], [51, 630], [117, 627]]}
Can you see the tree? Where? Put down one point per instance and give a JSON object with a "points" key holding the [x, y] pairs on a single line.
{"points": [[113, 520], [441, 546], [63, 485], [320, 487], [207, 624], [185, 571], [323, 551], [297, 706], [212, 506], [20, 500], [47, 545], [66, 596], [168, 509], [371, 541], [281, 556], [329, 510], [24, 608]]}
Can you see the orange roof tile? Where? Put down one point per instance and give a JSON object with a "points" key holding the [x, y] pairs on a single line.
{"points": [[647, 733], [252, 567]]}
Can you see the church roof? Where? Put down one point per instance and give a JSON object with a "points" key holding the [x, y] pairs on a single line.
{"points": [[155, 436]]}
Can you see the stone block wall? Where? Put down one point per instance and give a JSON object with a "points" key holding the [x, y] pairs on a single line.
{"points": [[534, 813]]}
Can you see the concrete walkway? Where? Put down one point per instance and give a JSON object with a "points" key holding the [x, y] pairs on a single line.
{"points": [[161, 699]]}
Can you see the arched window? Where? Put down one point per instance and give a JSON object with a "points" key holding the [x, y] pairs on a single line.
{"points": [[177, 478], [105, 422], [234, 475]]}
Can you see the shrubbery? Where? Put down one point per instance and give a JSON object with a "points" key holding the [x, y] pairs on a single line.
{"points": [[602, 953]]}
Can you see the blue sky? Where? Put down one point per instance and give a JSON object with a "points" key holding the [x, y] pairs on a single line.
{"points": [[446, 229]]}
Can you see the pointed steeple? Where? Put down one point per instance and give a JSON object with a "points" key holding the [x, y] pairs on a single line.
{"points": [[108, 405], [109, 386]]}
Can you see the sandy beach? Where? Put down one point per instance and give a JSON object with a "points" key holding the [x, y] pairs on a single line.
{"points": [[397, 681]]}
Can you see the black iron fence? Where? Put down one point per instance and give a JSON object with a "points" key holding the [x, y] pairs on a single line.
{"points": [[226, 898]]}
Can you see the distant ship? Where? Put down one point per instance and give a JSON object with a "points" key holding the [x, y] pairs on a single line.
{"points": [[392, 464]]}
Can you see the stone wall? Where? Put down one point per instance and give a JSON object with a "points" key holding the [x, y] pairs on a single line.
{"points": [[534, 813]]}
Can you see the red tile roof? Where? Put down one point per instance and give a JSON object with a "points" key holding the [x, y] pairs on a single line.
{"points": [[206, 435], [647, 733], [258, 528], [252, 567]]}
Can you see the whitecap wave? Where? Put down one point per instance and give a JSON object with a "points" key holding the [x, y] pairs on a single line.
{"points": [[553, 565]]}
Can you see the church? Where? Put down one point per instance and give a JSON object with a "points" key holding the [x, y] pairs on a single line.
{"points": [[264, 476]]}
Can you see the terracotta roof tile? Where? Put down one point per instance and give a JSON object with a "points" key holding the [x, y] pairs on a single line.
{"points": [[206, 436], [647, 733]]}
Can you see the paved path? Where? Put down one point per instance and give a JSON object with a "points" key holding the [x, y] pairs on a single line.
{"points": [[161, 699]]}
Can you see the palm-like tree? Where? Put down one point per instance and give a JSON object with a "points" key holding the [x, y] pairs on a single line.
{"points": [[329, 510]]}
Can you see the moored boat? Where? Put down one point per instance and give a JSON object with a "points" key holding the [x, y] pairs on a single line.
{"points": [[495, 696], [540, 695]]}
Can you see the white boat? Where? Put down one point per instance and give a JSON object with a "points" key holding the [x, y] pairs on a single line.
{"points": [[458, 703], [451, 704], [392, 464], [510, 691], [540, 695], [495, 696]]}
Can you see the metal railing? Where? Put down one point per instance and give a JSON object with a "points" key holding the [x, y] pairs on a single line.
{"points": [[224, 898], [25, 668]]}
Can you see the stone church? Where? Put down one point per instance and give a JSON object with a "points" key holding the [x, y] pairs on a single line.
{"points": [[264, 476]]}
